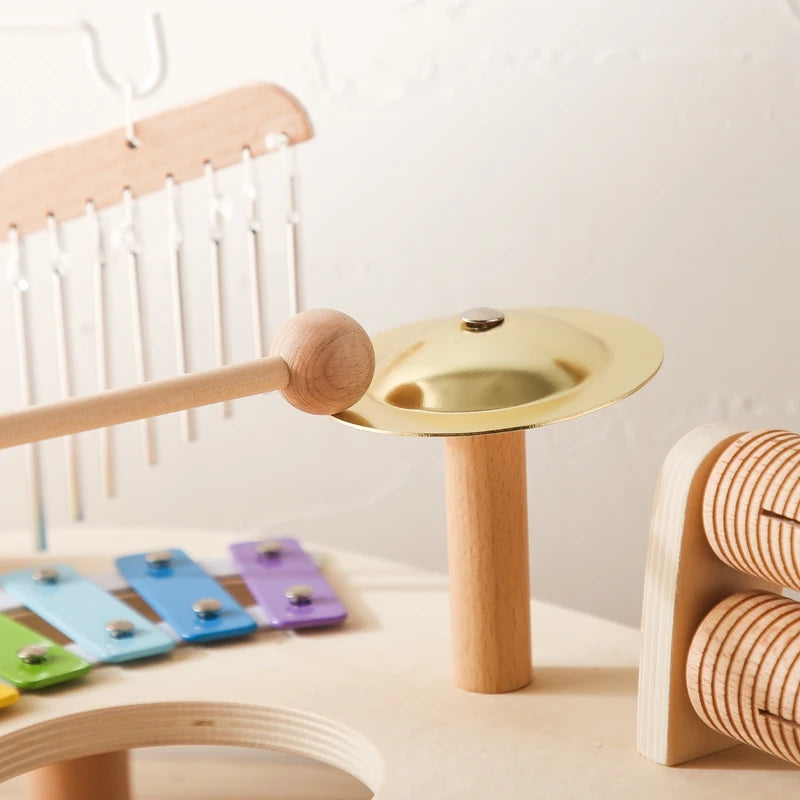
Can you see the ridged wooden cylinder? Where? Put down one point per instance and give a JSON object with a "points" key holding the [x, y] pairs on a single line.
{"points": [[751, 506], [743, 672]]}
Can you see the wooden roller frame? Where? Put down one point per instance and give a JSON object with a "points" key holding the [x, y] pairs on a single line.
{"points": [[721, 647]]}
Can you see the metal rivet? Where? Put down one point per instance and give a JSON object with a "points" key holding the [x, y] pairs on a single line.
{"points": [[300, 594], [45, 575], [272, 548], [33, 653], [207, 608], [119, 628], [159, 559], [482, 319]]}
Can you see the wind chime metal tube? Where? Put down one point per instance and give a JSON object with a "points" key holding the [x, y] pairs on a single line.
{"points": [[60, 267], [130, 242], [175, 254], [97, 260], [216, 233], [280, 142], [253, 224], [20, 287]]}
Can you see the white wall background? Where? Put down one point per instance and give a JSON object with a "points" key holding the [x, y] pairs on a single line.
{"points": [[638, 157]]}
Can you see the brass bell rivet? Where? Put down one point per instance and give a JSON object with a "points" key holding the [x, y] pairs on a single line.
{"points": [[482, 319], [33, 653], [119, 628], [207, 608], [159, 559], [272, 548], [300, 594], [45, 575]]}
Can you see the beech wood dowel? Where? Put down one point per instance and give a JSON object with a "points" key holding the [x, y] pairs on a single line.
{"points": [[100, 777], [145, 400], [487, 540]]}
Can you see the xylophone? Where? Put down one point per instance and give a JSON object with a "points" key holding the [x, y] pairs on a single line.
{"points": [[288, 590]]}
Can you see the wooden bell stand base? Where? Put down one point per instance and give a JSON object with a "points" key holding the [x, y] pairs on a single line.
{"points": [[487, 545], [99, 777]]}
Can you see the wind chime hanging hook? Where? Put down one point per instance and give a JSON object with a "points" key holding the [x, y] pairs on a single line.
{"points": [[126, 89], [94, 56], [158, 59]]}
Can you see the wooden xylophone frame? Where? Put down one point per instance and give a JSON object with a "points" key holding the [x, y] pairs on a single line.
{"points": [[372, 698], [717, 645]]}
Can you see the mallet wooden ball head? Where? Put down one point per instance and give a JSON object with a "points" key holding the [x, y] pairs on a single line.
{"points": [[330, 359]]}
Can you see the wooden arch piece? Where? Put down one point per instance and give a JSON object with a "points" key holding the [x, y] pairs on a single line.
{"points": [[684, 580]]}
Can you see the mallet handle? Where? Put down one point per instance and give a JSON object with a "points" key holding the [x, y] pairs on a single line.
{"points": [[114, 407]]}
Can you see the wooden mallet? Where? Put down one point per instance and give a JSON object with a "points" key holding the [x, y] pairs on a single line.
{"points": [[322, 362]]}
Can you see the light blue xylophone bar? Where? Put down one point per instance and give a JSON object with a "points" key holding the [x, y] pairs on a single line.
{"points": [[86, 614]]}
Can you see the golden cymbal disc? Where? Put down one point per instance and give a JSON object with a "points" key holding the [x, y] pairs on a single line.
{"points": [[488, 371]]}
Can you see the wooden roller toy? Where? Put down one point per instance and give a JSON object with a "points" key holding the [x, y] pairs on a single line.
{"points": [[721, 644]]}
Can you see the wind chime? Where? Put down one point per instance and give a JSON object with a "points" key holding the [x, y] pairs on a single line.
{"points": [[85, 180]]}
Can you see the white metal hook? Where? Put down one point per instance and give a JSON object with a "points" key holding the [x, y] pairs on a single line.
{"points": [[94, 56], [158, 58]]}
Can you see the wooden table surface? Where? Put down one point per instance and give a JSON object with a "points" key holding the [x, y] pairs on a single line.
{"points": [[374, 697]]}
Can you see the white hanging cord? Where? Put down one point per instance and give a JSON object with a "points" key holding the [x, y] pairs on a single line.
{"points": [[60, 265], [175, 257], [130, 126], [130, 241], [18, 277], [97, 258], [216, 234], [253, 224], [280, 142]]}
